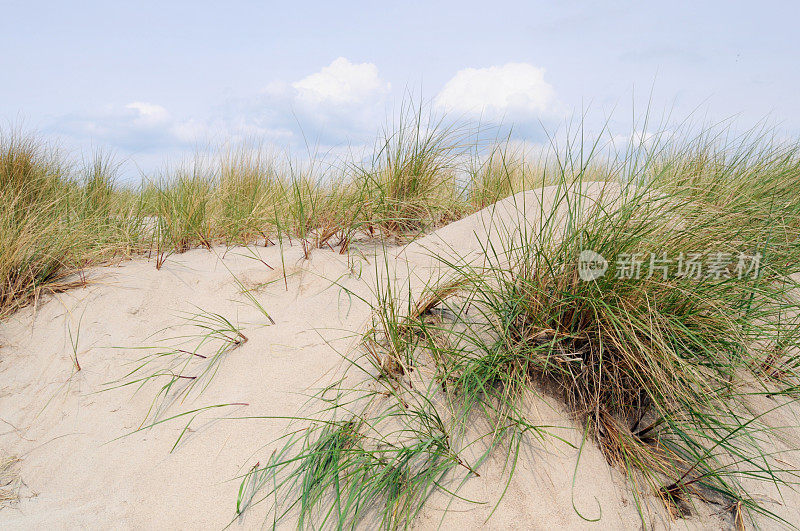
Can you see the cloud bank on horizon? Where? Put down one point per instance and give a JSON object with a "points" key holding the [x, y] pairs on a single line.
{"points": [[342, 103]]}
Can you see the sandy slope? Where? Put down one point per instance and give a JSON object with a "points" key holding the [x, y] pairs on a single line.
{"points": [[77, 473]]}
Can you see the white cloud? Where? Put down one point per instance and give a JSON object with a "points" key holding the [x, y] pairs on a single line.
{"points": [[148, 114], [338, 106], [341, 102], [515, 91], [342, 83]]}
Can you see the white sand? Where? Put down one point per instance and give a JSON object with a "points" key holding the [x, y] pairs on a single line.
{"points": [[76, 473]]}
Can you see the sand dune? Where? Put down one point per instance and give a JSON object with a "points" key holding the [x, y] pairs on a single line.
{"points": [[83, 464]]}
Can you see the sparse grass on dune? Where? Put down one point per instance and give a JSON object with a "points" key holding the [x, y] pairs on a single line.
{"points": [[10, 481], [184, 365]]}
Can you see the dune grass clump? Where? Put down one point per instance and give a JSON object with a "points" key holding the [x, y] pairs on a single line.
{"points": [[314, 211], [654, 356], [378, 464], [410, 183], [182, 217], [752, 182], [653, 364], [33, 194], [55, 220], [249, 191], [506, 170]]}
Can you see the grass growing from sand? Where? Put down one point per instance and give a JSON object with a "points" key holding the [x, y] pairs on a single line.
{"points": [[186, 364], [10, 481]]}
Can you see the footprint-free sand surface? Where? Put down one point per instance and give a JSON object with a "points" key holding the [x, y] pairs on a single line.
{"points": [[82, 464]]}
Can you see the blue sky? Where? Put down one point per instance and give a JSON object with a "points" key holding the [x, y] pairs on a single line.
{"points": [[151, 81]]}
